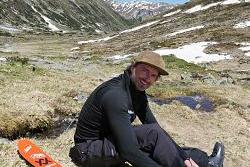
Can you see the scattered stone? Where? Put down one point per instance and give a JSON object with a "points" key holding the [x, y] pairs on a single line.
{"points": [[244, 61], [3, 59], [209, 79], [226, 79], [186, 76], [80, 98], [4, 141]]}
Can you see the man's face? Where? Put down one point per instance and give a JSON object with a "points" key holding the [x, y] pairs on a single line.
{"points": [[144, 76]]}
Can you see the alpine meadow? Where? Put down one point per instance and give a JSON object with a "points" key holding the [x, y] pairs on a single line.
{"points": [[54, 53]]}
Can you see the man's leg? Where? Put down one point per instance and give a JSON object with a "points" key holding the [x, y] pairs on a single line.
{"points": [[98, 153], [160, 147], [163, 149], [200, 157]]}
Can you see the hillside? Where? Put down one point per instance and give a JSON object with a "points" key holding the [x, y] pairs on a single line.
{"points": [[92, 16], [45, 78]]}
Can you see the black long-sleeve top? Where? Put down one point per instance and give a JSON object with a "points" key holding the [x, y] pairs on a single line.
{"points": [[109, 111]]}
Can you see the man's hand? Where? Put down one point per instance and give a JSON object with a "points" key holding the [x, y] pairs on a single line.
{"points": [[190, 163]]}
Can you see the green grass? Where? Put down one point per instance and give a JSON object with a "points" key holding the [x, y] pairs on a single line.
{"points": [[173, 62], [16, 70], [170, 43], [7, 34], [167, 90]]}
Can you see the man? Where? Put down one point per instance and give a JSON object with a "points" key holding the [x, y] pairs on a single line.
{"points": [[105, 137]]}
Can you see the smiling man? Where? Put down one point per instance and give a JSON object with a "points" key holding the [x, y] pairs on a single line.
{"points": [[105, 137]]}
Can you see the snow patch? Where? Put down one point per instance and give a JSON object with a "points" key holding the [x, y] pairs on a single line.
{"points": [[97, 40], [75, 48], [98, 31], [47, 20], [3, 59], [245, 48], [242, 24], [99, 24], [125, 31], [227, 2], [200, 7], [185, 30], [172, 13], [9, 28], [194, 53], [119, 57], [139, 27]]}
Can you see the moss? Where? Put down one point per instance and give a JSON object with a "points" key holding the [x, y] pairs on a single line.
{"points": [[58, 58], [17, 59], [173, 62], [162, 90], [16, 70], [7, 34], [170, 43], [13, 127]]}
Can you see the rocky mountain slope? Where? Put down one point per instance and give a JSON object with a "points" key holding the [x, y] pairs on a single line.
{"points": [[93, 16], [216, 21], [139, 9]]}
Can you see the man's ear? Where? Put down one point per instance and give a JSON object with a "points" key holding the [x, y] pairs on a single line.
{"points": [[133, 64]]}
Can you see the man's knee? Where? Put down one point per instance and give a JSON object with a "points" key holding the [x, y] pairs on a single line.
{"points": [[155, 129], [148, 134]]}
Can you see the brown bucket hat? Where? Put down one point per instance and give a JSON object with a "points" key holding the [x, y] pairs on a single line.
{"points": [[153, 59]]}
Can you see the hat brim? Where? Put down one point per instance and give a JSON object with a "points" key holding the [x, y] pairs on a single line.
{"points": [[161, 71]]}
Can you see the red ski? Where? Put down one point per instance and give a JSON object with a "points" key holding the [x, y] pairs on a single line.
{"points": [[35, 155]]}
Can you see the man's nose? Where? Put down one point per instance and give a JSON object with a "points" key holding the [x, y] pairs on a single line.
{"points": [[149, 78]]}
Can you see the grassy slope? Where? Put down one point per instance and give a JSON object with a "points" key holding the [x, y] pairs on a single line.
{"points": [[24, 92]]}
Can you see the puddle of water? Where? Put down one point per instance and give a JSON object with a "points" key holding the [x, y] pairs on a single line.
{"points": [[197, 102]]}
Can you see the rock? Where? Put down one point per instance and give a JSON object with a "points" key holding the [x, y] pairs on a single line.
{"points": [[226, 81], [244, 61], [4, 141], [186, 77], [81, 98], [3, 59], [209, 79]]}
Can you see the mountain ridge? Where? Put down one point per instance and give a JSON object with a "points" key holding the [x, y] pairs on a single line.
{"points": [[92, 16], [139, 9]]}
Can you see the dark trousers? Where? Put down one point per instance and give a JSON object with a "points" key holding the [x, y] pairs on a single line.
{"points": [[153, 140]]}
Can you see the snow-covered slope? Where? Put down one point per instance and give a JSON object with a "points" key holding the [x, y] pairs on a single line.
{"points": [[139, 9]]}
